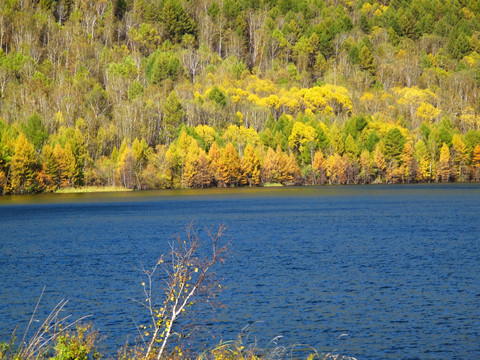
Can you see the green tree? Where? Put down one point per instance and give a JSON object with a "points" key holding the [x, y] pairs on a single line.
{"points": [[35, 131], [460, 46], [354, 55], [367, 62], [393, 143], [79, 150], [217, 96], [162, 65], [350, 147], [408, 24], [372, 139], [173, 116], [336, 140], [176, 21]]}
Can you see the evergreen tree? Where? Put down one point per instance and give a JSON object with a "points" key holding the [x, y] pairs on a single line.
{"points": [[367, 62], [173, 116], [176, 21], [35, 131], [394, 142]]}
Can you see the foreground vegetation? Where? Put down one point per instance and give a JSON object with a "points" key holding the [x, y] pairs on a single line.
{"points": [[176, 93], [82, 344], [174, 284]]}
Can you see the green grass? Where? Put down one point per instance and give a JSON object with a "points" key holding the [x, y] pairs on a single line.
{"points": [[272, 185], [91, 189]]}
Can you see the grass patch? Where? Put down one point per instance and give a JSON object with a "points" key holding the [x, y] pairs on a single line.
{"points": [[91, 189], [273, 185]]}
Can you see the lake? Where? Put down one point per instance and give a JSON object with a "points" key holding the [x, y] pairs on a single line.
{"points": [[374, 272]]}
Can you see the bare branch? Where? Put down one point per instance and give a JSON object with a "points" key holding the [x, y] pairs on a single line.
{"points": [[186, 275]]}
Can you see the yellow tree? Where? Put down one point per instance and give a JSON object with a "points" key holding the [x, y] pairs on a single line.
{"points": [[365, 167], [408, 166], [444, 164], [460, 157], [350, 147], [125, 173], [79, 150], [191, 165], [476, 162], [61, 161], [232, 171], [351, 169], [158, 173], [204, 177], [67, 164], [250, 167], [140, 154], [319, 167], [336, 139], [177, 154], [380, 163], [3, 182], [22, 170], [427, 112], [240, 136], [303, 138], [336, 170], [218, 164], [290, 173], [425, 166], [328, 99], [417, 103], [270, 172], [50, 167], [207, 133], [198, 168]]}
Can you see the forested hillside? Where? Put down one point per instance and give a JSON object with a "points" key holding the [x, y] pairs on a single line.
{"points": [[182, 93]]}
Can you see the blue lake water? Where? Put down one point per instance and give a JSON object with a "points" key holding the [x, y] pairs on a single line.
{"points": [[375, 272]]}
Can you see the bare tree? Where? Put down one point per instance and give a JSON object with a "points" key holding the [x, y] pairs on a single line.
{"points": [[185, 275]]}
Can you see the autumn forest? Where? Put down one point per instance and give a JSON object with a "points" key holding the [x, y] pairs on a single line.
{"points": [[154, 94]]}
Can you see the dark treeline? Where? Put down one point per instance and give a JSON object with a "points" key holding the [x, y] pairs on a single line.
{"points": [[178, 93]]}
